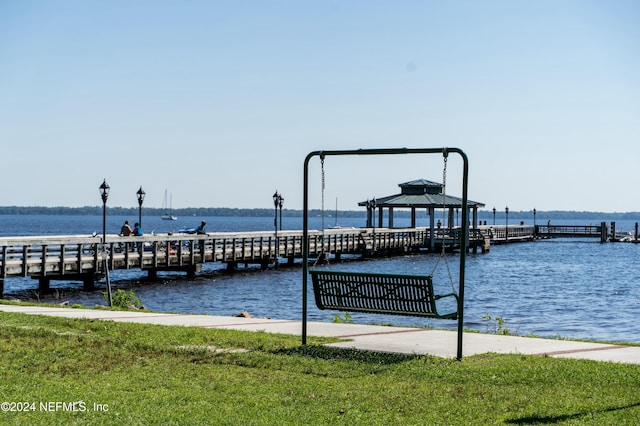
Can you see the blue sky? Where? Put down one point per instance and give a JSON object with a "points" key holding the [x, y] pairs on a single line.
{"points": [[219, 102]]}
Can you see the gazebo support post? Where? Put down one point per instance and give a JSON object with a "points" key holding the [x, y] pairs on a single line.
{"points": [[450, 219]]}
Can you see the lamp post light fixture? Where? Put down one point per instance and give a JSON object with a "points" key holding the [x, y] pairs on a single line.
{"points": [[140, 195], [494, 216], [506, 222], [104, 193]]}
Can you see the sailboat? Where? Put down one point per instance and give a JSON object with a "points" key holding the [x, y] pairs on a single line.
{"points": [[336, 226], [167, 208]]}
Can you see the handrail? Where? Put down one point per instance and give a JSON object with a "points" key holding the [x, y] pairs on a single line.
{"points": [[43, 255]]}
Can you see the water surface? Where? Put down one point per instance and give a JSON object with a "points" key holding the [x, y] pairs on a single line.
{"points": [[573, 288]]}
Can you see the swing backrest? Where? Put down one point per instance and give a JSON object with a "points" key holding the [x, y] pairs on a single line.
{"points": [[393, 294]]}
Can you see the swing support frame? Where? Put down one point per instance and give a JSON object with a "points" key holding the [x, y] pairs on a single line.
{"points": [[464, 235]]}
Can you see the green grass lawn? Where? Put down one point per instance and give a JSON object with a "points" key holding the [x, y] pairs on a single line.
{"points": [[132, 374]]}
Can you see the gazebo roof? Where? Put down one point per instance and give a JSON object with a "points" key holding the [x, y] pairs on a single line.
{"points": [[422, 186], [422, 193]]}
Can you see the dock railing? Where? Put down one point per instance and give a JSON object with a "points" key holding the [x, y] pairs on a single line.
{"points": [[513, 233], [573, 231], [49, 258]]}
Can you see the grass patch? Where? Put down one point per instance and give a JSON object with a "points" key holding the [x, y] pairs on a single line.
{"points": [[139, 374]]}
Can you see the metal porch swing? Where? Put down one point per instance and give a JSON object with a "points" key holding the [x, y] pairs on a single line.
{"points": [[377, 293]]}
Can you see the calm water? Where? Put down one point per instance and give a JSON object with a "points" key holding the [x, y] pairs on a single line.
{"points": [[564, 287]]}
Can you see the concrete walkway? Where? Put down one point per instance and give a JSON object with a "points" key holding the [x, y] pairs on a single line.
{"points": [[368, 337]]}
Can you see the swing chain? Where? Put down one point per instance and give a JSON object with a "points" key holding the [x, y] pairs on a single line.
{"points": [[445, 155], [443, 255], [322, 255], [322, 192]]}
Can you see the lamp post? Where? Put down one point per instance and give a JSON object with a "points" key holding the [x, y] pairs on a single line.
{"points": [[494, 216], [374, 205], [371, 212], [280, 203], [140, 195], [506, 228], [534, 217], [276, 202], [104, 193]]}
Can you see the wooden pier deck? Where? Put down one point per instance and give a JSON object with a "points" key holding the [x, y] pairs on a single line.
{"points": [[515, 233], [502, 234], [80, 258]]}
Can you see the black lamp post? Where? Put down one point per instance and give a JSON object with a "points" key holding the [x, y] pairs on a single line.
{"points": [[374, 205], [506, 228], [140, 195], [104, 193], [280, 203], [276, 202], [494, 216], [371, 212], [534, 217]]}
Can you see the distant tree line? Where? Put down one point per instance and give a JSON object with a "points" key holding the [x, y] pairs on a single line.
{"points": [[151, 211], [558, 214], [227, 211]]}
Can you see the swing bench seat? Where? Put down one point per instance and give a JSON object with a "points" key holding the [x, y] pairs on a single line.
{"points": [[394, 294]]}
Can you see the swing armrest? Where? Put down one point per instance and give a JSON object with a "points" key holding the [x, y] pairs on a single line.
{"points": [[442, 296], [448, 315]]}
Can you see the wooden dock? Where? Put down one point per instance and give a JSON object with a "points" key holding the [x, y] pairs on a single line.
{"points": [[502, 234], [81, 258], [574, 231]]}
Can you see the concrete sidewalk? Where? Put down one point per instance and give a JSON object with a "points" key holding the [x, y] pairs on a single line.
{"points": [[368, 337]]}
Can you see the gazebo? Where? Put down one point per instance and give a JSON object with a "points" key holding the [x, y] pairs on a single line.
{"points": [[419, 194]]}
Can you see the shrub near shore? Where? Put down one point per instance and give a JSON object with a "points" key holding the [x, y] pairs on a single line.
{"points": [[133, 374]]}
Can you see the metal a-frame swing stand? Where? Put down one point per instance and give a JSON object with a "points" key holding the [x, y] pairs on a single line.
{"points": [[464, 235]]}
